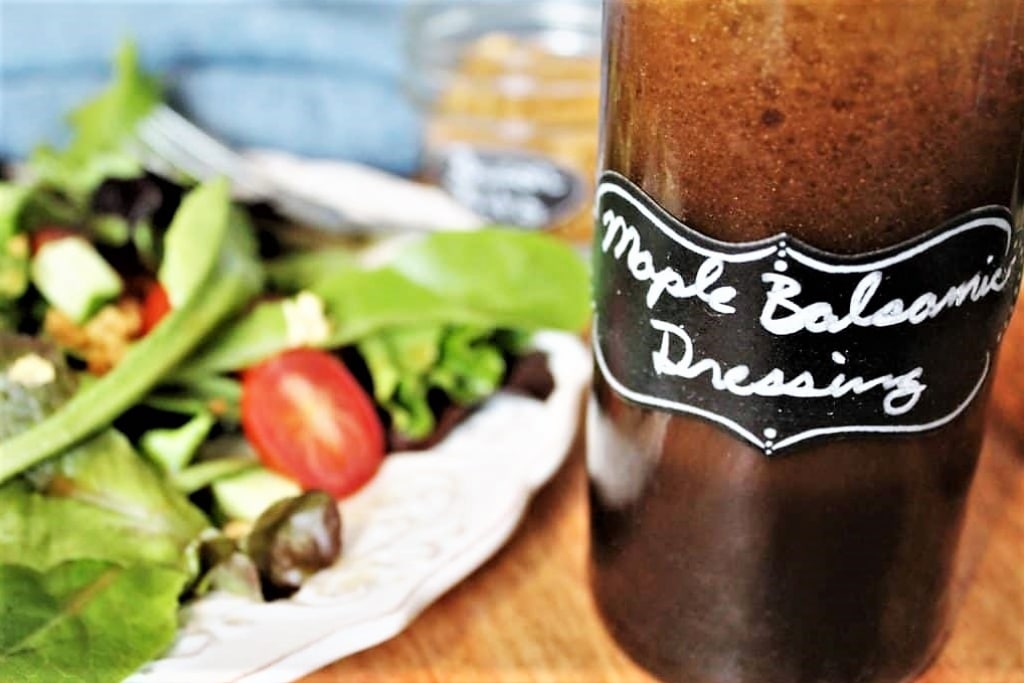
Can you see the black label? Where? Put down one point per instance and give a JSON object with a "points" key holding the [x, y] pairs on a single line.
{"points": [[518, 188], [784, 344]]}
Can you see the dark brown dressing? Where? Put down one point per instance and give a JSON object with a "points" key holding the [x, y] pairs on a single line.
{"points": [[853, 125]]}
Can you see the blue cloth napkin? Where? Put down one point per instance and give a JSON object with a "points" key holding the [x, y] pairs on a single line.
{"points": [[322, 79]]}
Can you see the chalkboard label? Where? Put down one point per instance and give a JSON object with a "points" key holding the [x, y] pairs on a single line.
{"points": [[784, 344], [514, 187]]}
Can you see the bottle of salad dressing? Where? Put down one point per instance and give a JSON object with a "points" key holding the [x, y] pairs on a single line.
{"points": [[805, 255]]}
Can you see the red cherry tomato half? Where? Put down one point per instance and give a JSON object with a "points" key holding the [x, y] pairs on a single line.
{"points": [[308, 418], [154, 307], [50, 233]]}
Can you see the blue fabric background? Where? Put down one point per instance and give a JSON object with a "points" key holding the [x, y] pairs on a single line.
{"points": [[317, 78]]}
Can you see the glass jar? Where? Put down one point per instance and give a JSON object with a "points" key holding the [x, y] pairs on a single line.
{"points": [[509, 94]]}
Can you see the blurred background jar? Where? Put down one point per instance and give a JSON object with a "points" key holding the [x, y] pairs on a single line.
{"points": [[509, 95]]}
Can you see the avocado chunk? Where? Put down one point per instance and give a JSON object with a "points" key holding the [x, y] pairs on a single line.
{"points": [[247, 495], [74, 278]]}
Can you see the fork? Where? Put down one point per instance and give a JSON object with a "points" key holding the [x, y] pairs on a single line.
{"points": [[173, 146]]}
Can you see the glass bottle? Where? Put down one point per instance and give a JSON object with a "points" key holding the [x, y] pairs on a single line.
{"points": [[807, 246]]}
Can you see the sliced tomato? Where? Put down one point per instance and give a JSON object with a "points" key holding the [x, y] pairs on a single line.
{"points": [[49, 233], [308, 418], [154, 307]]}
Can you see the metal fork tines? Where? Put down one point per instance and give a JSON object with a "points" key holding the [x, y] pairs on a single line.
{"points": [[173, 145]]}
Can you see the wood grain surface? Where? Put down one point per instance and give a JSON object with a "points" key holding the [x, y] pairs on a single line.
{"points": [[527, 617]]}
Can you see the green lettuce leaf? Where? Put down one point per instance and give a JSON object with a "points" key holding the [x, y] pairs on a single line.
{"points": [[256, 335], [301, 270], [84, 621], [173, 449], [103, 127], [400, 361], [202, 219], [100, 500], [215, 394], [511, 278], [491, 278], [13, 199], [465, 362], [472, 365], [230, 275]]}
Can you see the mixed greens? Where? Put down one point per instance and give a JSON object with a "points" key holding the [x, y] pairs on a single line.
{"points": [[184, 395]]}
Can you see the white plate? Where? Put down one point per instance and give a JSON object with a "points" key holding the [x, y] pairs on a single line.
{"points": [[423, 524]]}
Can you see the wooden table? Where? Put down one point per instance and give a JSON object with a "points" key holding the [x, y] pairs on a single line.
{"points": [[526, 616]]}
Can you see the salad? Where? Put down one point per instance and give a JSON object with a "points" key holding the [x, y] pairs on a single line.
{"points": [[186, 393]]}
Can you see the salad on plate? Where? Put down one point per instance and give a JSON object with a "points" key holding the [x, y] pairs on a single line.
{"points": [[186, 391]]}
